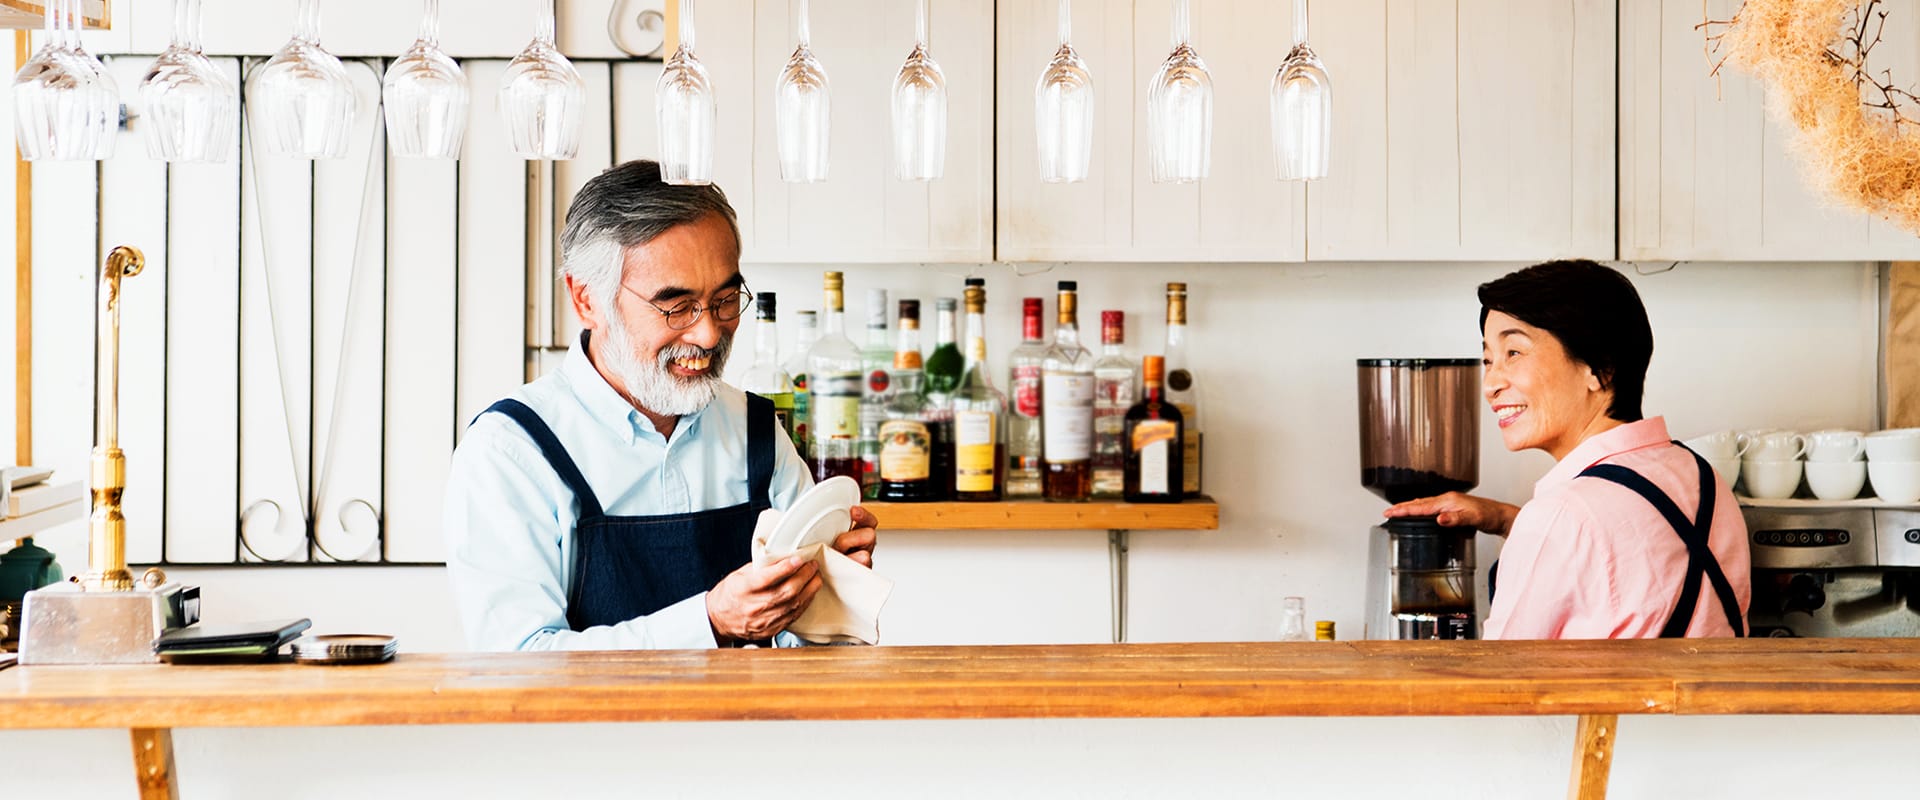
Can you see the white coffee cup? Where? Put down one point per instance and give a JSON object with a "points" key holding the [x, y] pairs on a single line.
{"points": [[1771, 479], [1897, 444], [1836, 446], [1895, 481], [1836, 480], [1777, 446], [1728, 468], [1720, 445]]}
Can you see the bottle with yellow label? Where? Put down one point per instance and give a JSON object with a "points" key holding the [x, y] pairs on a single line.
{"points": [[979, 412], [905, 436], [1155, 462]]}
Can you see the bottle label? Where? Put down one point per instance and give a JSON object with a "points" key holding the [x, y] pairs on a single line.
{"points": [[1179, 380], [1152, 440], [1189, 448], [835, 407], [905, 447], [878, 381], [1067, 417], [973, 448], [1026, 390], [802, 414]]}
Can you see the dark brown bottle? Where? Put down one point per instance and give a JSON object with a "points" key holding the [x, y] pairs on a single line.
{"points": [[1154, 429]]}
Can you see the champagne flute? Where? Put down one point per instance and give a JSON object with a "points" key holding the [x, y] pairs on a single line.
{"points": [[1302, 109], [303, 92], [65, 105], [919, 110], [1063, 111], [424, 95], [683, 108], [191, 108], [801, 112], [1180, 111], [542, 96]]}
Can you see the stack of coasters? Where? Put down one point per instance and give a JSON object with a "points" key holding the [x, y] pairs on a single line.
{"points": [[345, 648]]}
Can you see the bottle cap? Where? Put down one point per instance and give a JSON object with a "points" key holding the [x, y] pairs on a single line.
{"points": [[910, 309], [1113, 327], [976, 281], [1177, 287], [808, 319], [876, 308], [945, 304], [763, 305], [1153, 369], [834, 281], [1030, 306], [1068, 286]]}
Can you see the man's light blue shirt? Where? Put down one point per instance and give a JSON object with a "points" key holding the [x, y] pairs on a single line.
{"points": [[509, 519]]}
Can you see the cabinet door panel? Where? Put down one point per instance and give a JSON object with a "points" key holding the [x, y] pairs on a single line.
{"points": [[65, 268]]}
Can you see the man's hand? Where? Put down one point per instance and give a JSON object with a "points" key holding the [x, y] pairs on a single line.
{"points": [[858, 543], [759, 600], [1455, 509]]}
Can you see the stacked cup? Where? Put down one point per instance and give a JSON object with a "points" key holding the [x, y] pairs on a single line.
{"points": [[1835, 469], [1722, 450], [1893, 462], [1771, 466]]}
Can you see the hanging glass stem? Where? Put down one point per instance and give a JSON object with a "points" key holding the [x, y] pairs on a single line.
{"points": [[1299, 22], [430, 24], [307, 23], [1180, 24], [686, 24], [920, 25], [186, 25], [806, 32], [1066, 21], [543, 24]]}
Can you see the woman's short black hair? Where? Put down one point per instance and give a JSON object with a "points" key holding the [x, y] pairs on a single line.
{"points": [[1595, 313]]}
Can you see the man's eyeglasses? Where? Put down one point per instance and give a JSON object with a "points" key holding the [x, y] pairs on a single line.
{"points": [[683, 315]]}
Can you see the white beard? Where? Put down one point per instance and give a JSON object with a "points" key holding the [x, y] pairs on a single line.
{"points": [[651, 386]]}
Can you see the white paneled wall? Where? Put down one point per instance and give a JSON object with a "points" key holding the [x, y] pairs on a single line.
{"points": [[422, 288]]}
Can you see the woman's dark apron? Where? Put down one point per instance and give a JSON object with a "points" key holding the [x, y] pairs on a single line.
{"points": [[627, 567], [1693, 533]]}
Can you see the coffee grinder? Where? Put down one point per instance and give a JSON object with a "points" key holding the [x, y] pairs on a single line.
{"points": [[1419, 437]]}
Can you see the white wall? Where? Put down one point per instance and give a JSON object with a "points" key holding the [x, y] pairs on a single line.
{"points": [[1738, 345]]}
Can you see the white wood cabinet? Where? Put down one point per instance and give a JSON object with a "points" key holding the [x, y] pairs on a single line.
{"points": [[1706, 172], [1239, 213]]}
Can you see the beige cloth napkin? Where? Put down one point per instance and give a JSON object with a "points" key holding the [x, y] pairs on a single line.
{"points": [[847, 607]]}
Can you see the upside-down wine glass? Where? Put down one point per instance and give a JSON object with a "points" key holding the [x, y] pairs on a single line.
{"points": [[919, 110], [424, 96], [542, 96], [801, 112], [1180, 111], [683, 108], [306, 100], [191, 108], [65, 105], [1302, 108], [1063, 111]]}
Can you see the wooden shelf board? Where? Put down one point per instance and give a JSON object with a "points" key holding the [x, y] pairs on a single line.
{"points": [[1202, 514]]}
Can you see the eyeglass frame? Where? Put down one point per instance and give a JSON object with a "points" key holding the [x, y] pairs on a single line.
{"points": [[667, 315]]}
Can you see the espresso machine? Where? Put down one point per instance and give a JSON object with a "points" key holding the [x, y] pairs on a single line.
{"points": [[1419, 437], [1845, 569]]}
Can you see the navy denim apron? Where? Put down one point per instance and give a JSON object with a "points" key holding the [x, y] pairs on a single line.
{"points": [[1693, 533], [627, 567]]}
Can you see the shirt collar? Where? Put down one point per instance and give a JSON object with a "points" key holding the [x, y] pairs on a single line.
{"points": [[607, 406], [1629, 436]]}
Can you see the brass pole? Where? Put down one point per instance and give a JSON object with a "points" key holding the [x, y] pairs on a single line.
{"points": [[107, 543], [22, 288]]}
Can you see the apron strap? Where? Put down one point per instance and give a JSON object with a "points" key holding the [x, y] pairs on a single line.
{"points": [[556, 454], [761, 422], [1694, 534]]}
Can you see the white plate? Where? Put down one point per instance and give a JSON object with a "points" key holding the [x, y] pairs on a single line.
{"points": [[828, 503]]}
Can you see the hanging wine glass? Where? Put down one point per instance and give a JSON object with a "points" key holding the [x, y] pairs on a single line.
{"points": [[305, 99], [1180, 111], [191, 111], [919, 110], [683, 108], [65, 105], [1063, 111], [542, 96], [424, 96], [1302, 108], [801, 112]]}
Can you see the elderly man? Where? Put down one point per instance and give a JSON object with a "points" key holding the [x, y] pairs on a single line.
{"points": [[610, 505]]}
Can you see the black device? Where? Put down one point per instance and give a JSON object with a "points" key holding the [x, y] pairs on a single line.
{"points": [[241, 641]]}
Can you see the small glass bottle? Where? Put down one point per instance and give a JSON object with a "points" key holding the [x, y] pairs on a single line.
{"points": [[796, 367], [906, 440], [1323, 631], [876, 360], [1113, 394], [979, 412], [765, 377], [1027, 368], [1293, 620], [833, 379], [1153, 427]]}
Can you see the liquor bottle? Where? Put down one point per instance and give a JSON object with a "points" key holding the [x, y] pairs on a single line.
{"points": [[943, 369], [906, 442], [1066, 407], [1025, 373], [1183, 389], [876, 359], [979, 412], [765, 377], [796, 366], [1154, 460], [1113, 394], [833, 376]]}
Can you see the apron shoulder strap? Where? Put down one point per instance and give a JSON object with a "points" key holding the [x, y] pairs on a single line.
{"points": [[551, 448], [761, 422], [1694, 534]]}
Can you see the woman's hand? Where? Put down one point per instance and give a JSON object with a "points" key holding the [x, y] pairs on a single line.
{"points": [[1456, 510]]}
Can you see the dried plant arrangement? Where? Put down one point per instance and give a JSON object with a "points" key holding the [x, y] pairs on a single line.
{"points": [[1857, 133]]}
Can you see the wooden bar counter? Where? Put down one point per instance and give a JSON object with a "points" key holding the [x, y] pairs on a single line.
{"points": [[1593, 680]]}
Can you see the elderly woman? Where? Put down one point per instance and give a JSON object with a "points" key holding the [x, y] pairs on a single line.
{"points": [[1630, 535]]}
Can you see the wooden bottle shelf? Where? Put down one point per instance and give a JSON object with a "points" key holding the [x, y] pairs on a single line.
{"points": [[1201, 514]]}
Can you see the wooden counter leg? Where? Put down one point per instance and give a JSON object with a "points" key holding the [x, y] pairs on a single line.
{"points": [[1592, 756], [153, 764]]}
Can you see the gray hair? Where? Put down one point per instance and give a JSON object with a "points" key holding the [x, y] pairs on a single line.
{"points": [[628, 206]]}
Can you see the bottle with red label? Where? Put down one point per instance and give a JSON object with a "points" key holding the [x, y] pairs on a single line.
{"points": [[1028, 366]]}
